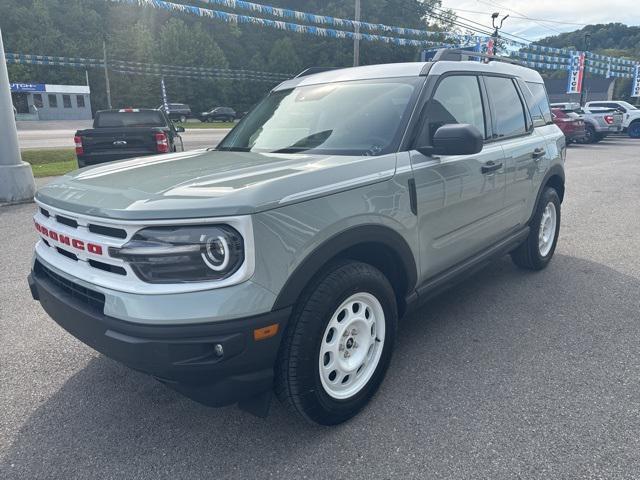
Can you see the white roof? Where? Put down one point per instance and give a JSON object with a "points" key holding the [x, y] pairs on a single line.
{"points": [[411, 69]]}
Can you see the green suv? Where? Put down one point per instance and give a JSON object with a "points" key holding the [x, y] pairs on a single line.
{"points": [[281, 260]]}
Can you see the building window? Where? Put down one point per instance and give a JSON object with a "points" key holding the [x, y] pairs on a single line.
{"points": [[37, 100], [53, 100], [66, 101], [80, 101]]}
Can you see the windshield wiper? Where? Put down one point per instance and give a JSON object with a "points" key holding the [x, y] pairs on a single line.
{"points": [[307, 143]]}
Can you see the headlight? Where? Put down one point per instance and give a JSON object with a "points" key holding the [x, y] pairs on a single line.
{"points": [[195, 253]]}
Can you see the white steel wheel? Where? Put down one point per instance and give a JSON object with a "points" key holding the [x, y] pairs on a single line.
{"points": [[547, 230], [352, 345]]}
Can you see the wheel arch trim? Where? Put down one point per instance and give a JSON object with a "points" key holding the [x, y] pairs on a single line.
{"points": [[338, 244]]}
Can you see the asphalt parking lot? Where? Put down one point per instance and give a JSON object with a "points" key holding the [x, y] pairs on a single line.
{"points": [[509, 375]]}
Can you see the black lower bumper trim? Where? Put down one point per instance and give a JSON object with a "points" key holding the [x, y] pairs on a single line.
{"points": [[215, 363]]}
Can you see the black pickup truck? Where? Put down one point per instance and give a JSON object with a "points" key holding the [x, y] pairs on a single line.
{"points": [[126, 133]]}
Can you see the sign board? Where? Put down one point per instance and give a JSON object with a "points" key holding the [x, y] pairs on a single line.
{"points": [[576, 73], [27, 87], [635, 84]]}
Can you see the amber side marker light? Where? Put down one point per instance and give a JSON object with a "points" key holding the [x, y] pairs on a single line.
{"points": [[265, 332]]}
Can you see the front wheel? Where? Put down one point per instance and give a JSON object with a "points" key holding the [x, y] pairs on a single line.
{"points": [[537, 250], [338, 345], [634, 130]]}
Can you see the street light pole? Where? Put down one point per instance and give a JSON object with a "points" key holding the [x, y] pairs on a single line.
{"points": [[16, 177], [356, 39], [587, 42], [106, 74]]}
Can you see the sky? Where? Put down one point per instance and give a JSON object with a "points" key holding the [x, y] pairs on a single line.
{"points": [[571, 14]]}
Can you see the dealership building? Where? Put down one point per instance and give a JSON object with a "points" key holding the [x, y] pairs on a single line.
{"points": [[39, 101]]}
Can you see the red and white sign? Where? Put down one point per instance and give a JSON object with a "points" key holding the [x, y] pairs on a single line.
{"points": [[576, 73]]}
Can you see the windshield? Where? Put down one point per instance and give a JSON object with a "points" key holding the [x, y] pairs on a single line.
{"points": [[342, 118], [129, 119], [628, 106]]}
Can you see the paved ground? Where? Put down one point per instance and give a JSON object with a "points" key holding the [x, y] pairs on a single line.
{"points": [[510, 375], [60, 135]]}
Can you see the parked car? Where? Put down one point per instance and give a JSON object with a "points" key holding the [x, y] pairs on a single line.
{"points": [[126, 133], [598, 122], [178, 111], [283, 259], [631, 119], [571, 125], [222, 114]]}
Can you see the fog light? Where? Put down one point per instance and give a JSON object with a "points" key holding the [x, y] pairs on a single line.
{"points": [[218, 350]]}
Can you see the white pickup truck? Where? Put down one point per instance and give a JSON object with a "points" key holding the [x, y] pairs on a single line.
{"points": [[631, 115]]}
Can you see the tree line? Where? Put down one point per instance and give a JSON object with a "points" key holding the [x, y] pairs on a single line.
{"points": [[77, 28]]}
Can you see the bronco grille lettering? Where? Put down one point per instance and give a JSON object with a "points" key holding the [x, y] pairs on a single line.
{"points": [[66, 240]]}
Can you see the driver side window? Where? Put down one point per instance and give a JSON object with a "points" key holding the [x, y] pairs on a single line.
{"points": [[457, 100]]}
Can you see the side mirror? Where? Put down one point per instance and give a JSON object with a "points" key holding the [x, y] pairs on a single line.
{"points": [[180, 129], [454, 139]]}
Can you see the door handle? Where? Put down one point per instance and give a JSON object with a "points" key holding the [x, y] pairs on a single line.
{"points": [[490, 166], [538, 153]]}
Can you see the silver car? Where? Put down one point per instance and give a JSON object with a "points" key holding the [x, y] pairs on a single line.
{"points": [[282, 260]]}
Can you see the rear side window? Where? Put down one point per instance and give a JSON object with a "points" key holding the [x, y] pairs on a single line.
{"points": [[507, 107], [457, 100], [538, 102], [150, 118]]}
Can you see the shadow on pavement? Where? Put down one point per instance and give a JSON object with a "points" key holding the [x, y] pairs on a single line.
{"points": [[536, 369]]}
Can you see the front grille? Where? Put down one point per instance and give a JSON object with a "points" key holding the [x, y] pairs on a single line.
{"points": [[69, 222], [108, 231], [93, 300]]}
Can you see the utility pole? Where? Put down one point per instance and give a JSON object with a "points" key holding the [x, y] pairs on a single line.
{"points": [[106, 74], [356, 39], [16, 177], [496, 31], [587, 42]]}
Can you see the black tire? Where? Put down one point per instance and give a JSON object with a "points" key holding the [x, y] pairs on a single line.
{"points": [[528, 254], [590, 134], [634, 129], [182, 119], [298, 384]]}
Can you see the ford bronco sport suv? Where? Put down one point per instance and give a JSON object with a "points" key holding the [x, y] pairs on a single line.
{"points": [[282, 259]]}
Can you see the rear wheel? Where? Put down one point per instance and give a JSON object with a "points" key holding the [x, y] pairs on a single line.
{"points": [[590, 135], [338, 345], [634, 130], [182, 119], [537, 250]]}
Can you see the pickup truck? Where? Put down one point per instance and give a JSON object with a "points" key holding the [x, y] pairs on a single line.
{"points": [[631, 115], [126, 133], [598, 122]]}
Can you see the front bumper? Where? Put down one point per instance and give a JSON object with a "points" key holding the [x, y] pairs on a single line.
{"points": [[185, 357]]}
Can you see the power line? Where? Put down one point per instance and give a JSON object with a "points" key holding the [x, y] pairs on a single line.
{"points": [[489, 28], [521, 17], [496, 4]]}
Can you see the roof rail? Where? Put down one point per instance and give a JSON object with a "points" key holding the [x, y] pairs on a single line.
{"points": [[312, 70], [455, 55]]}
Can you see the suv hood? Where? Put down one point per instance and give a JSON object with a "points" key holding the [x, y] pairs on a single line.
{"points": [[209, 183]]}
